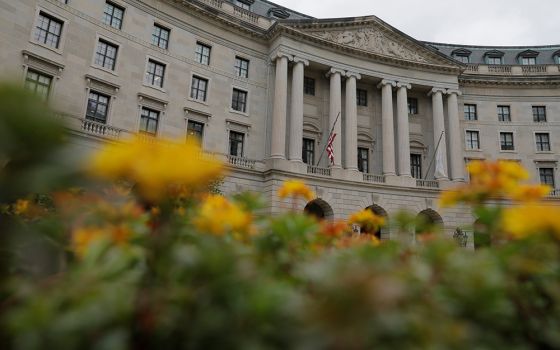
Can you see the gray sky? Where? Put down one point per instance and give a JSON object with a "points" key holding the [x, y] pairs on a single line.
{"points": [[476, 22]]}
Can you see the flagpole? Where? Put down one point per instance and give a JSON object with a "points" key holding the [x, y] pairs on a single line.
{"points": [[330, 133], [434, 156]]}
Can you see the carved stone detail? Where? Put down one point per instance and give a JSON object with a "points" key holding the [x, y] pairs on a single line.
{"points": [[370, 39]]}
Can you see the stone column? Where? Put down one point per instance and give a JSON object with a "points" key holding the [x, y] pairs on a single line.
{"points": [[387, 126], [334, 111], [296, 121], [457, 168], [278, 137], [440, 161], [351, 126], [403, 139]]}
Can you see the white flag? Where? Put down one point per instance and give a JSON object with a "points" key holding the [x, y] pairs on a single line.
{"points": [[440, 164]]}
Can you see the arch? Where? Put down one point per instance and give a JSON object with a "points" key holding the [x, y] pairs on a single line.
{"points": [[428, 220], [319, 209], [382, 232]]}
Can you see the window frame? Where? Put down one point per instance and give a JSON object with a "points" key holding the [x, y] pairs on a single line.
{"points": [[501, 114], [245, 104], [537, 116], [202, 129], [469, 113], [361, 97], [239, 69], [524, 59], [305, 152], [52, 17], [147, 73], [149, 109], [412, 107], [107, 107], [199, 56], [107, 42], [505, 144], [193, 88], [552, 176], [416, 168], [115, 6], [539, 144], [489, 60], [242, 4], [40, 74], [309, 86], [161, 28], [361, 160], [463, 58], [469, 140], [241, 142]]}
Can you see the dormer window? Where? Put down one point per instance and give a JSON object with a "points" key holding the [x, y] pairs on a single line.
{"points": [[278, 12], [528, 58], [556, 57], [494, 57], [244, 4], [462, 55]]}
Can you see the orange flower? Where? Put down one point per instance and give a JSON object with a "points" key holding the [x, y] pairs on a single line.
{"points": [[530, 193], [367, 220], [334, 228], [295, 189]]}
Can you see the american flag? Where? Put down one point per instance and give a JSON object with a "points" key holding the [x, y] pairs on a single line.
{"points": [[330, 149]]}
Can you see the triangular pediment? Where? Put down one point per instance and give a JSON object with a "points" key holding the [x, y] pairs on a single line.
{"points": [[371, 35]]}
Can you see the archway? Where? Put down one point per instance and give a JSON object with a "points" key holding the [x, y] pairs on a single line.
{"points": [[428, 221], [319, 209], [381, 232]]}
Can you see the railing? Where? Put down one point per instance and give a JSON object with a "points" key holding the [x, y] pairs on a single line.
{"points": [[241, 162], [245, 14], [472, 67], [318, 170], [427, 183], [555, 193], [374, 178], [533, 69], [499, 69], [91, 127]]}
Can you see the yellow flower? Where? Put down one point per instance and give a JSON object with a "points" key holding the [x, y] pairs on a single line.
{"points": [[334, 229], [21, 207], [526, 220], [530, 193], [219, 216], [84, 237], [154, 166], [368, 221], [295, 189], [449, 198]]}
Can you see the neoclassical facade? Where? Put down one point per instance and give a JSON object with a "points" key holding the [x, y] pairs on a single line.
{"points": [[263, 86]]}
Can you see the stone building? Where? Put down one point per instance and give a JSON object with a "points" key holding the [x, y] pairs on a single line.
{"points": [[262, 87]]}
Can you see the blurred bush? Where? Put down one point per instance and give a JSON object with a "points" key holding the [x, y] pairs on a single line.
{"points": [[132, 254]]}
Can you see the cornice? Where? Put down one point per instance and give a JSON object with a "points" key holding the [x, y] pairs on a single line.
{"points": [[488, 80]]}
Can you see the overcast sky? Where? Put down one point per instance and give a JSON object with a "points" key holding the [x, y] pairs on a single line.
{"points": [[476, 22]]}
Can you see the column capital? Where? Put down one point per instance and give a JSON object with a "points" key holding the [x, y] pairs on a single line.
{"points": [[435, 90], [386, 82], [335, 71], [350, 74], [300, 60], [401, 84], [454, 91], [280, 54]]}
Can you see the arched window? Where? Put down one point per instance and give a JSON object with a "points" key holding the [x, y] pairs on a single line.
{"points": [[428, 221], [319, 209], [381, 232]]}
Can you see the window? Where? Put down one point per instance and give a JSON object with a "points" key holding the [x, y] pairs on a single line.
{"points": [[472, 140], [38, 83], [462, 58], [155, 73], [557, 58], [539, 114], [363, 160], [504, 114], [199, 87], [48, 30], [506, 141], [113, 15], [97, 107], [241, 67], [202, 53], [528, 61], [543, 141], [547, 176], [309, 86], [239, 100], [494, 60], [361, 97], [470, 112], [236, 143], [308, 152], [416, 165], [160, 36], [149, 121], [106, 55], [195, 130], [242, 4], [412, 105]]}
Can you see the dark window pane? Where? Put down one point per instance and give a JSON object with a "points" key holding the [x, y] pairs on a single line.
{"points": [[308, 152], [363, 160], [236, 143], [416, 165], [97, 107], [309, 86]]}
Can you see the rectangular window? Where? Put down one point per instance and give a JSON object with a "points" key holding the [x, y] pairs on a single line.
{"points": [[199, 88], [155, 73], [472, 140], [241, 67], [504, 114], [113, 15], [149, 121], [412, 105], [506, 141], [308, 152], [97, 107], [48, 30], [462, 58], [160, 36], [106, 55], [242, 4], [202, 54], [236, 143], [309, 86], [239, 100], [363, 160], [361, 97], [543, 141], [494, 60], [195, 130], [416, 165], [547, 176], [528, 61], [38, 83], [539, 114], [470, 112]]}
